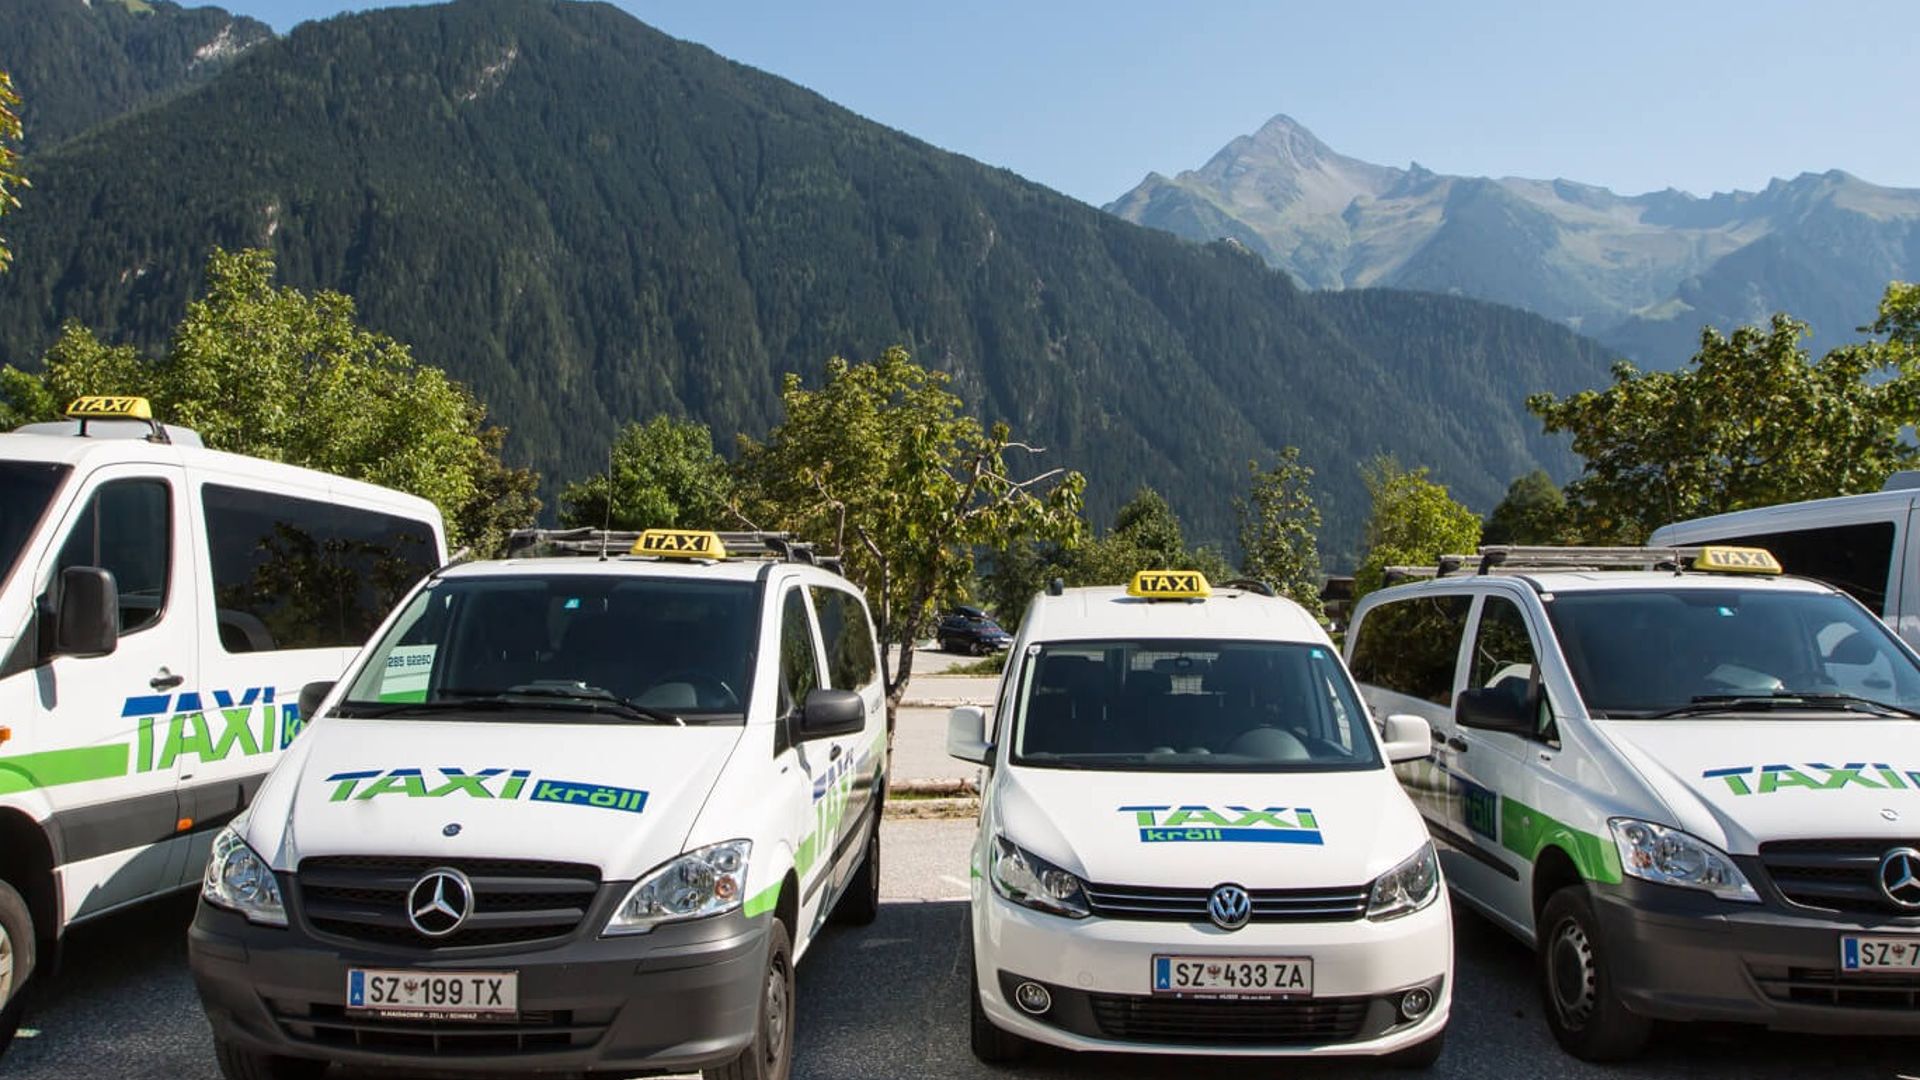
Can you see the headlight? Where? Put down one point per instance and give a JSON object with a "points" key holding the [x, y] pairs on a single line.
{"points": [[704, 882], [1406, 888], [1670, 857], [1029, 880], [239, 879]]}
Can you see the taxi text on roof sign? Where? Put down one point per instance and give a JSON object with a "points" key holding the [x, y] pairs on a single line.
{"points": [[680, 544], [1169, 585], [101, 406], [1737, 560]]}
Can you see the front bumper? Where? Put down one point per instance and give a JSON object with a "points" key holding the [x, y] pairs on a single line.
{"points": [[1098, 974], [1679, 954], [680, 998]]}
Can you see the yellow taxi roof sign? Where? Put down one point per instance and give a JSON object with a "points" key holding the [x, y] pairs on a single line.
{"points": [[1737, 560], [110, 407], [680, 544], [1169, 585]]}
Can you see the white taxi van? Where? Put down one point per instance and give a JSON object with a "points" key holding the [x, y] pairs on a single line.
{"points": [[564, 814], [1692, 784], [1191, 841], [161, 607]]}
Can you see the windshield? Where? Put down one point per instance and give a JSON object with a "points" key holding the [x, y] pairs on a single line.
{"points": [[26, 487], [1650, 652], [1185, 705], [676, 648]]}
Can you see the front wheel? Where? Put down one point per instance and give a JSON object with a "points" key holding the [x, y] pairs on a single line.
{"points": [[1576, 983], [237, 1063], [16, 959], [770, 1055]]}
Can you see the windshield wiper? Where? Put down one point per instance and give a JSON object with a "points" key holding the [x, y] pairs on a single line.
{"points": [[596, 698], [514, 697], [1704, 704], [354, 711]]}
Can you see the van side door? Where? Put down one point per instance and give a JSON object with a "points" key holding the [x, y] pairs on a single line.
{"points": [[800, 673], [109, 727], [853, 663]]}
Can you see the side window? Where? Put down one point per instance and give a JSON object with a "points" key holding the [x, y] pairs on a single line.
{"points": [[127, 528], [1855, 559], [293, 573], [848, 638], [799, 668], [1410, 646], [1504, 657]]}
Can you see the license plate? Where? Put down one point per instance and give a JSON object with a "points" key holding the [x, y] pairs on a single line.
{"points": [[434, 995], [1233, 976], [1879, 953]]}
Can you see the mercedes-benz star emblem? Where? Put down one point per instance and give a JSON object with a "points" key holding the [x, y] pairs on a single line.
{"points": [[452, 829], [1900, 877], [1889, 813], [1230, 907], [440, 901]]}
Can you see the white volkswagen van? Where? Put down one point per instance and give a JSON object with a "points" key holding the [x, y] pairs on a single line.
{"points": [[1690, 783], [1191, 842], [161, 606], [564, 814]]}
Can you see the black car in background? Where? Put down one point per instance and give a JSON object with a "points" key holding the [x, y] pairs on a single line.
{"points": [[965, 629]]}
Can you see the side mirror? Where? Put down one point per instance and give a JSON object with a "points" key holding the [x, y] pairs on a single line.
{"points": [[828, 713], [87, 620], [1493, 708], [967, 735], [1405, 737], [311, 695]]}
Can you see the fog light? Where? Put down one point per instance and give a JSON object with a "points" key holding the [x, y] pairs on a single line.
{"points": [[1416, 1003], [1032, 997]]}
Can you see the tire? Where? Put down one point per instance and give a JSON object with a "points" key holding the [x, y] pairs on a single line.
{"points": [[237, 1063], [18, 949], [860, 904], [770, 1055], [1576, 983], [1421, 1055], [991, 1045]]}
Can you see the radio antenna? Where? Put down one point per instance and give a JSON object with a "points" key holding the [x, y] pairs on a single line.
{"points": [[606, 523]]}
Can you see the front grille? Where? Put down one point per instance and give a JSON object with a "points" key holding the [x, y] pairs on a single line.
{"points": [[1832, 875], [1219, 1023], [515, 901], [1829, 986], [1190, 905], [533, 1032]]}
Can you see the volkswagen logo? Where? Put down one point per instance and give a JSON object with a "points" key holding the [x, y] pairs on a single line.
{"points": [[440, 902], [1900, 877], [1230, 907]]}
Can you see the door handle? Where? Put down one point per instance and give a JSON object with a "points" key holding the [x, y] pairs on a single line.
{"points": [[1455, 742], [166, 680], [834, 754]]}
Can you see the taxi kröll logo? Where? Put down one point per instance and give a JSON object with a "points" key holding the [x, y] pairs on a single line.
{"points": [[1225, 825]]}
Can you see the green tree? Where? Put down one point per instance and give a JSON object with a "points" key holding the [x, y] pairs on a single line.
{"points": [[274, 373], [1146, 535], [665, 474], [1534, 512], [1279, 528], [1751, 421], [880, 466], [1414, 522], [12, 177]]}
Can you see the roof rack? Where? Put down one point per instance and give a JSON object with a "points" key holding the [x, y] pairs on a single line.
{"points": [[593, 543], [1520, 559]]}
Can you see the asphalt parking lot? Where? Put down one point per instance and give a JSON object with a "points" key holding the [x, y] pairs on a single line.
{"points": [[889, 1001]]}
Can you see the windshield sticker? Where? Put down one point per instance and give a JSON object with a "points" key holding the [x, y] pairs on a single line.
{"points": [[1226, 825], [1814, 776], [359, 786], [407, 671]]}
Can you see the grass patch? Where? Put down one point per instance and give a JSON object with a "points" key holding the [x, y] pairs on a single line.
{"points": [[986, 665]]}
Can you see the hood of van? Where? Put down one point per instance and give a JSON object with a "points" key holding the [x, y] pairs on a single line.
{"points": [[1738, 783], [621, 797], [1263, 831]]}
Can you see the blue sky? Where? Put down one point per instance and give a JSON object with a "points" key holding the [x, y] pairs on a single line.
{"points": [[1087, 98]]}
